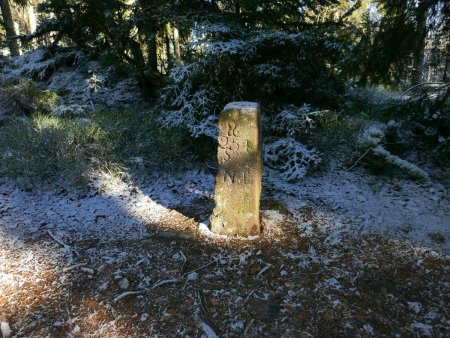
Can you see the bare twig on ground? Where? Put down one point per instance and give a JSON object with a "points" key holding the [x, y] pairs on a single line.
{"points": [[127, 294], [73, 267], [70, 250], [249, 325], [267, 267], [183, 256], [202, 267], [359, 159], [165, 281]]}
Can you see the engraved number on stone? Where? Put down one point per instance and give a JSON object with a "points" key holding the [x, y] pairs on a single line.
{"points": [[233, 130], [223, 141]]}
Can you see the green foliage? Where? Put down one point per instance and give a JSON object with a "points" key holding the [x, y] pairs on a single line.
{"points": [[336, 135], [46, 150], [50, 150], [25, 97], [252, 67], [425, 115], [140, 143]]}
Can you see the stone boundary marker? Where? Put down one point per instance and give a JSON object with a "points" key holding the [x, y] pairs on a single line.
{"points": [[238, 181]]}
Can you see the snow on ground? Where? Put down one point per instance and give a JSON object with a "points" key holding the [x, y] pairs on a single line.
{"points": [[349, 203], [128, 259], [358, 204]]}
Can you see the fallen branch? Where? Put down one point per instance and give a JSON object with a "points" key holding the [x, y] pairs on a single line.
{"points": [[59, 241], [411, 169], [127, 294], [267, 267], [202, 267], [202, 317], [248, 327], [165, 281], [209, 332], [359, 159], [183, 256], [73, 267], [64, 245], [88, 270]]}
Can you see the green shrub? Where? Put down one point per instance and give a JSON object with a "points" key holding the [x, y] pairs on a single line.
{"points": [[336, 134], [46, 149], [139, 142], [23, 96]]}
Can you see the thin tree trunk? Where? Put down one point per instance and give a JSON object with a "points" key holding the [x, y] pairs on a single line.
{"points": [[237, 8], [8, 21], [176, 45], [31, 18], [419, 52], [168, 34], [152, 48], [446, 71]]}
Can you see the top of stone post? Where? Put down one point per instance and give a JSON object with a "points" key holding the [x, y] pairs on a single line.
{"points": [[242, 105]]}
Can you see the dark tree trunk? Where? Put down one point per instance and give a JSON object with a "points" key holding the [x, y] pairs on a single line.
{"points": [[152, 49], [8, 21]]}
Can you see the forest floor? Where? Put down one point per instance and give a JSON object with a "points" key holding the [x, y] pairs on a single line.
{"points": [[341, 254]]}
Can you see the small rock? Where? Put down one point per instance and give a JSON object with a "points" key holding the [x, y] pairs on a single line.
{"points": [[124, 283], [192, 276]]}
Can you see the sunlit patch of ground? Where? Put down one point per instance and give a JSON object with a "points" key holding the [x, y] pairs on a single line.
{"points": [[130, 260]]}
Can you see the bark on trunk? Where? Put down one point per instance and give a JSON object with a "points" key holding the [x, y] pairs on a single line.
{"points": [[176, 45], [168, 34], [421, 18], [11, 35], [152, 48], [31, 18], [446, 72]]}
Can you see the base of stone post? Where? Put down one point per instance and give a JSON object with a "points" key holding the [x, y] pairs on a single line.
{"points": [[238, 181]]}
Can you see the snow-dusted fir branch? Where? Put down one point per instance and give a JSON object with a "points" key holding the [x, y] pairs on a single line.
{"points": [[293, 120], [291, 158]]}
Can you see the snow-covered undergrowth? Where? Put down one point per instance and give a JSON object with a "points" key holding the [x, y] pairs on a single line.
{"points": [[82, 85]]}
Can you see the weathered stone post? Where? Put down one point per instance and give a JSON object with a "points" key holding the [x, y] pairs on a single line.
{"points": [[238, 180]]}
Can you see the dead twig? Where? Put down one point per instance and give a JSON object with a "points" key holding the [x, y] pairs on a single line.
{"points": [[203, 318], [127, 294], [69, 249], [183, 256], [267, 267], [202, 267], [249, 326], [360, 158], [73, 267], [165, 281]]}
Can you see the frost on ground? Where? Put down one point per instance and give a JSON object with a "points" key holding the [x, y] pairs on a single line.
{"points": [[341, 255]]}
